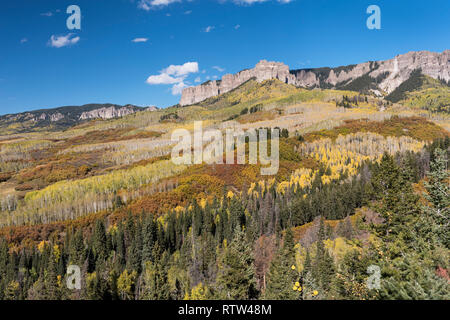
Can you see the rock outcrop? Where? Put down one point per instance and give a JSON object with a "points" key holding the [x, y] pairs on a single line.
{"points": [[390, 73], [262, 71], [107, 113], [65, 117], [386, 75], [56, 116], [152, 108]]}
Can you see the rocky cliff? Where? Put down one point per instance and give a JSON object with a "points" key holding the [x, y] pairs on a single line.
{"points": [[376, 76], [387, 75], [108, 112], [64, 117], [262, 71]]}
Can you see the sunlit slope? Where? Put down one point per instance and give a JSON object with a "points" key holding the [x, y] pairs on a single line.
{"points": [[62, 175], [423, 92]]}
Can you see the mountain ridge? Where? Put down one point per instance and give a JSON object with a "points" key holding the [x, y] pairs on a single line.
{"points": [[381, 77], [66, 116]]}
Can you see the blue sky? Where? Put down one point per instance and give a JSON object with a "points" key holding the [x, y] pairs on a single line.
{"points": [[200, 39]]}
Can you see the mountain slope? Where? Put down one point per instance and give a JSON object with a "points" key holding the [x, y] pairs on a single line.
{"points": [[423, 92], [61, 117], [380, 77]]}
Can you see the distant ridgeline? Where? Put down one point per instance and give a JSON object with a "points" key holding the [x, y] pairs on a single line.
{"points": [[64, 117], [378, 77]]}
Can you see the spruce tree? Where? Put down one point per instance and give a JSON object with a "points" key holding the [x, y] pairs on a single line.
{"points": [[99, 246], [323, 267], [283, 274], [438, 196], [236, 279], [409, 254], [51, 290]]}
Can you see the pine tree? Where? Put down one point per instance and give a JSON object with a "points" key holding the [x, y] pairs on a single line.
{"points": [[120, 248], [283, 274], [134, 253], [438, 196], [154, 277], [99, 246], [77, 249], [236, 278], [409, 253], [398, 205], [51, 290], [323, 267]]}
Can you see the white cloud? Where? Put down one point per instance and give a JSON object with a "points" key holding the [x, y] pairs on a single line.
{"points": [[219, 68], [163, 2], [178, 88], [63, 41], [147, 5], [163, 78], [188, 12], [140, 40], [47, 14], [209, 28], [174, 74], [197, 80], [23, 40], [181, 70], [249, 2], [237, 26], [151, 4]]}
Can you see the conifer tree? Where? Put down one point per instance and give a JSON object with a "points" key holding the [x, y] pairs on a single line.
{"points": [[409, 254], [155, 284], [438, 196], [99, 246], [148, 237], [134, 253], [282, 274], [323, 267], [77, 248], [51, 290], [236, 278]]}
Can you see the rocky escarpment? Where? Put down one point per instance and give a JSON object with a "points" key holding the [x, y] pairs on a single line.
{"points": [[386, 75], [376, 76], [108, 112], [262, 71], [85, 112], [64, 117]]}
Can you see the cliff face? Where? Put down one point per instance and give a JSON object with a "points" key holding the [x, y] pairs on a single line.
{"points": [[64, 117], [435, 65], [390, 72], [107, 113], [385, 75], [262, 71]]}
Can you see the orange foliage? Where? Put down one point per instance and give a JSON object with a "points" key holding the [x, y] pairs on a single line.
{"points": [[414, 127], [198, 187]]}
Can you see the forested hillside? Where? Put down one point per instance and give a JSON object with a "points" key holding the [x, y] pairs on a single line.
{"points": [[362, 186]]}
